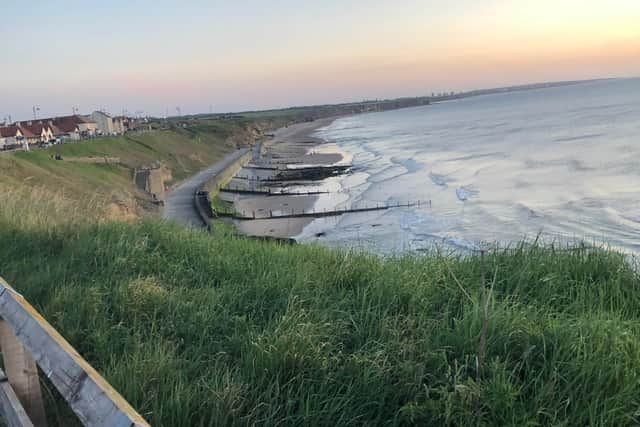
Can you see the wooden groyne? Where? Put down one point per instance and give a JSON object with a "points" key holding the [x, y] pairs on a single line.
{"points": [[314, 173], [276, 179], [310, 168], [316, 213], [268, 192]]}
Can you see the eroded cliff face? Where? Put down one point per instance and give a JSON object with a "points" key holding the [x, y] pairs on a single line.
{"points": [[123, 207], [248, 136]]}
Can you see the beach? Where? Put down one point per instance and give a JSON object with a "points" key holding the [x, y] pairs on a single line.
{"points": [[287, 178]]}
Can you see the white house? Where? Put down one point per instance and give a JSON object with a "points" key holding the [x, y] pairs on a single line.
{"points": [[104, 123]]}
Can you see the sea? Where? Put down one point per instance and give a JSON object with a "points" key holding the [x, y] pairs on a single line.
{"points": [[559, 165]]}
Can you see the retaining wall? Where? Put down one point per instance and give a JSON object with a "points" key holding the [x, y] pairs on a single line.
{"points": [[204, 194]]}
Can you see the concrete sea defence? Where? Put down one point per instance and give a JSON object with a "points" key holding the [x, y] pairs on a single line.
{"points": [[179, 203], [202, 198]]}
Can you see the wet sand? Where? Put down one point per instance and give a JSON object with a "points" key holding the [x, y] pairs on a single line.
{"points": [[285, 161]]}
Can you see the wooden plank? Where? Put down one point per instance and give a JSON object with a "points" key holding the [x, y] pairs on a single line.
{"points": [[13, 413], [22, 373], [90, 396]]}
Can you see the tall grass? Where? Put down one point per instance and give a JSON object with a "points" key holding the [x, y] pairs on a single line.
{"points": [[200, 330]]}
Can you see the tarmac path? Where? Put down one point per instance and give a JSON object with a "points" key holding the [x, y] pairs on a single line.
{"points": [[179, 202]]}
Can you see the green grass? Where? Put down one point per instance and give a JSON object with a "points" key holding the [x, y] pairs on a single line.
{"points": [[202, 330]]}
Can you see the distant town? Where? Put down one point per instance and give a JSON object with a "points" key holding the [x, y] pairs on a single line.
{"points": [[43, 132]]}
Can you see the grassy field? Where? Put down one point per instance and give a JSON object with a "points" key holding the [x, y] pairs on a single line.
{"points": [[200, 330]]}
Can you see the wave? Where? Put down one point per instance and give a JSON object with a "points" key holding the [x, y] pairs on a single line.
{"points": [[495, 154], [464, 193], [440, 180], [579, 137], [410, 165]]}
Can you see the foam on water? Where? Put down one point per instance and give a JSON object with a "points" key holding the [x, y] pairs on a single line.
{"points": [[564, 162]]}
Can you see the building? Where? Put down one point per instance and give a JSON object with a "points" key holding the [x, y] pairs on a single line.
{"points": [[10, 137], [36, 131], [120, 124], [86, 126], [33, 132], [72, 127], [104, 123], [65, 128]]}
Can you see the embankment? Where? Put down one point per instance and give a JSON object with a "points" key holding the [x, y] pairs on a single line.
{"points": [[107, 188]]}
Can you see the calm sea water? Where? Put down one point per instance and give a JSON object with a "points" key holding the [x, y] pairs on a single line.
{"points": [[563, 163]]}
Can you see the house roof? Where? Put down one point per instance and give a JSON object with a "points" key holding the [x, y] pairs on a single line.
{"points": [[101, 112], [77, 119], [9, 131], [27, 133], [57, 131], [64, 125], [35, 128]]}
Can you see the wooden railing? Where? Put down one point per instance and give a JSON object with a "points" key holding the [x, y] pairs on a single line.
{"points": [[27, 340]]}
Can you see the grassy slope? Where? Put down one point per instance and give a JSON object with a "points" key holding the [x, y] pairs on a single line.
{"points": [[217, 330], [183, 152]]}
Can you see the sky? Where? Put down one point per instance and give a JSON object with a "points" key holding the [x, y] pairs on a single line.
{"points": [[154, 56]]}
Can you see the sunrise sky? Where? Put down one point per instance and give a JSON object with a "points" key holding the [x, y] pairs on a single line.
{"points": [[154, 55]]}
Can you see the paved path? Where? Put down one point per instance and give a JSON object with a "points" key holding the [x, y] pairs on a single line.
{"points": [[178, 204]]}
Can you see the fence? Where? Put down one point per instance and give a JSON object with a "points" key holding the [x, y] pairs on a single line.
{"points": [[27, 341]]}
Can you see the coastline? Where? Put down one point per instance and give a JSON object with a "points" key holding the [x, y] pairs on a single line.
{"points": [[293, 150]]}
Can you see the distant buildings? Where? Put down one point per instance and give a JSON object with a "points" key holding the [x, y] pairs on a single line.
{"points": [[10, 136], [104, 123], [58, 129], [72, 127], [122, 124], [36, 131]]}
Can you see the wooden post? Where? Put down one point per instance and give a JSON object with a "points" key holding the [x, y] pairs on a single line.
{"points": [[22, 373], [13, 412], [92, 399]]}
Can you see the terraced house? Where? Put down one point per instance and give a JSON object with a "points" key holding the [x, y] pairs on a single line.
{"points": [[10, 137], [73, 127], [35, 132], [41, 131]]}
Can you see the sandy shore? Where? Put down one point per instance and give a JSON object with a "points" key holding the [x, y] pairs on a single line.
{"points": [[291, 151]]}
